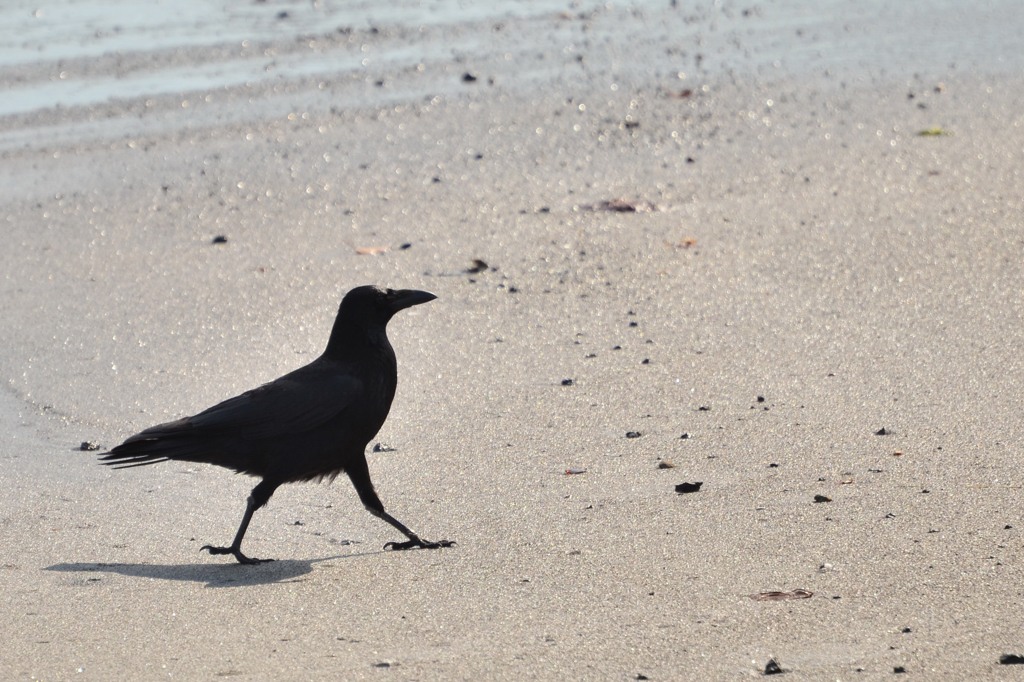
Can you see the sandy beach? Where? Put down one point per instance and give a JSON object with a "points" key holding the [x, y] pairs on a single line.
{"points": [[787, 273]]}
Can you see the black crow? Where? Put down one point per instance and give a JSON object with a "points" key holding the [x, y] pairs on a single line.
{"points": [[309, 425]]}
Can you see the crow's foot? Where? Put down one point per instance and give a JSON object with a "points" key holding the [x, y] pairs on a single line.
{"points": [[236, 552], [418, 544]]}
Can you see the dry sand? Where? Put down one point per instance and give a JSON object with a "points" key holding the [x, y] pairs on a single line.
{"points": [[814, 251]]}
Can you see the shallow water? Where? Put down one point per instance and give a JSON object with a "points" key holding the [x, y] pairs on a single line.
{"points": [[69, 68]]}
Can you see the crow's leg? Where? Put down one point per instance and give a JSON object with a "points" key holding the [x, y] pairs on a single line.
{"points": [[257, 498], [360, 475]]}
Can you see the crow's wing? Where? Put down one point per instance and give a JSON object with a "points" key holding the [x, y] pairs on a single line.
{"points": [[286, 406], [296, 403]]}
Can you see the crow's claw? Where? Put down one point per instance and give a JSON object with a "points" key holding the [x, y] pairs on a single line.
{"points": [[418, 544], [237, 553]]}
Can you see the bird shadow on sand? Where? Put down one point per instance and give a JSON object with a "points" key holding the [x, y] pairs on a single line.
{"points": [[214, 575]]}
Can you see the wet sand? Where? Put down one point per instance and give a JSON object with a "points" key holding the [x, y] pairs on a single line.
{"points": [[797, 240]]}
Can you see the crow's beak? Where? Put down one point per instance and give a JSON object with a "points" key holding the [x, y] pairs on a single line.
{"points": [[407, 298]]}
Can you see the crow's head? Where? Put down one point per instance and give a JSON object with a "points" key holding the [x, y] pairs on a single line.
{"points": [[371, 305]]}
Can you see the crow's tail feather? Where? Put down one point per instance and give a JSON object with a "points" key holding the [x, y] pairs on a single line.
{"points": [[144, 449], [136, 462]]}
